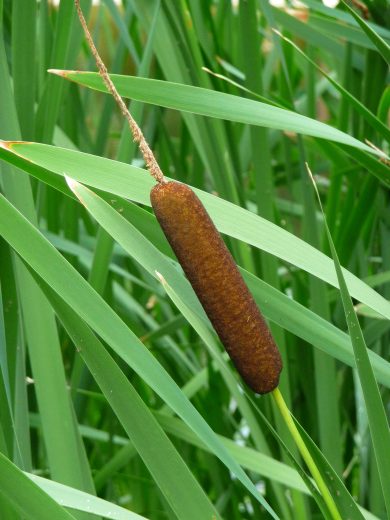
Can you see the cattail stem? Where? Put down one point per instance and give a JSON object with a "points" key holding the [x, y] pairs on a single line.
{"points": [[287, 417], [150, 160]]}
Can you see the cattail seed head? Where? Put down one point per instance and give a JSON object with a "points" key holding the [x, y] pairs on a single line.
{"points": [[216, 280], [206, 261]]}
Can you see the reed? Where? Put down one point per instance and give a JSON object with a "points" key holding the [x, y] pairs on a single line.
{"points": [[112, 380]]}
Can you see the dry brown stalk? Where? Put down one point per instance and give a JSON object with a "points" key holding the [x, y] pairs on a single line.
{"points": [[150, 160]]}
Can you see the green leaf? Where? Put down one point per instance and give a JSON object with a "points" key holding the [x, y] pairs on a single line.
{"points": [[25, 496], [76, 499], [248, 457], [134, 183], [76, 292], [344, 502], [66, 457], [376, 39], [375, 122], [171, 474], [210, 103], [377, 419]]}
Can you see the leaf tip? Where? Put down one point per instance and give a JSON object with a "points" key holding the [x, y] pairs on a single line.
{"points": [[63, 73], [5, 144], [57, 72], [310, 173], [160, 278], [382, 156], [278, 33], [71, 183]]}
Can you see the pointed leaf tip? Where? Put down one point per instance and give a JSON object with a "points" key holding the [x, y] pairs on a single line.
{"points": [[71, 183], [160, 277], [7, 145], [58, 72], [61, 72]]}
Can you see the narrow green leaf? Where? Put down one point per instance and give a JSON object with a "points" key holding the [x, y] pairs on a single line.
{"points": [[76, 292], [76, 499], [133, 183], [214, 104], [376, 39], [377, 418], [25, 496], [172, 476], [375, 122], [66, 456], [344, 501]]}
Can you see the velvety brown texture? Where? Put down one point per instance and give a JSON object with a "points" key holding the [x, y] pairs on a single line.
{"points": [[213, 274]]}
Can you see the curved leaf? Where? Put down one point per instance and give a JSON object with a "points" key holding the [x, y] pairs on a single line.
{"points": [[76, 499], [134, 183], [26, 497], [214, 104], [48, 263]]}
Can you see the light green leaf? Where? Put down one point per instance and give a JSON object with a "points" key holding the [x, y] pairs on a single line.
{"points": [[377, 418], [214, 104], [76, 499], [173, 477], [134, 183], [382, 46], [25, 496], [79, 295]]}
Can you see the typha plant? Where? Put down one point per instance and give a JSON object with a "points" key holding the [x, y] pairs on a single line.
{"points": [[216, 280], [207, 263], [113, 377]]}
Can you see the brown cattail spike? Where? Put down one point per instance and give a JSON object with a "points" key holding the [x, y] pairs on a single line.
{"points": [[206, 261], [213, 274]]}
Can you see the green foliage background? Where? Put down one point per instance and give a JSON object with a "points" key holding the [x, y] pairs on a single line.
{"points": [[113, 384]]}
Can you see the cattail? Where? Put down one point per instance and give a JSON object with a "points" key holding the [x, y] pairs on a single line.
{"points": [[216, 280], [214, 276], [207, 262]]}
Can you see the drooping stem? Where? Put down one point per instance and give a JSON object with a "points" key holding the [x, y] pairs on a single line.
{"points": [[285, 412], [150, 160]]}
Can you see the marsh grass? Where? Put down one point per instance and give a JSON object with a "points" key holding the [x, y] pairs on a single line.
{"points": [[114, 384]]}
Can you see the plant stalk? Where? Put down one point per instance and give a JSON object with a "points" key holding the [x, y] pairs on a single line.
{"points": [[286, 414], [150, 160]]}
